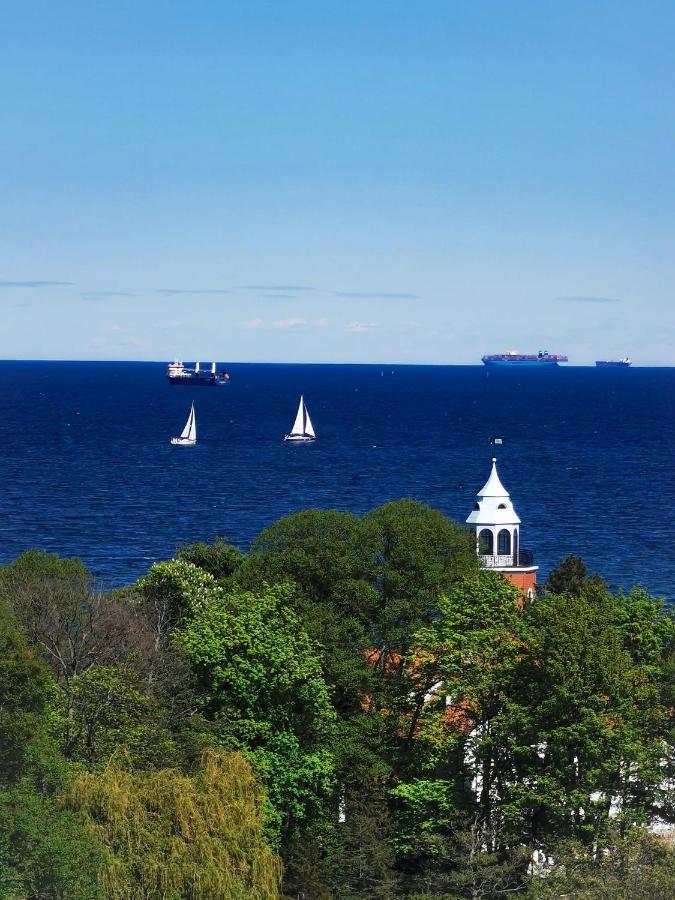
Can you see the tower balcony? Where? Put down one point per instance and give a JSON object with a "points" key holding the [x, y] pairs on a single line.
{"points": [[522, 559]]}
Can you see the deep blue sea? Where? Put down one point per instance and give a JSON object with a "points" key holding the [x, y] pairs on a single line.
{"points": [[87, 468]]}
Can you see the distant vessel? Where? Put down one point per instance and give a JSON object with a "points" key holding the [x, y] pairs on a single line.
{"points": [[188, 436], [302, 430], [621, 363], [177, 373], [512, 358]]}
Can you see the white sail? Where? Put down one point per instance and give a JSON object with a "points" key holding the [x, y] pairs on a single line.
{"points": [[299, 424], [190, 431], [309, 429]]}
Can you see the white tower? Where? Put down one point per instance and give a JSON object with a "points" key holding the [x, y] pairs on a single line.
{"points": [[497, 526]]}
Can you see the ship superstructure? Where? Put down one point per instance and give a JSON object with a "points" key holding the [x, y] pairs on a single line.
{"points": [[178, 373]]}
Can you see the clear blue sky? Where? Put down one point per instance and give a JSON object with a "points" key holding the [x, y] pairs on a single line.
{"points": [[337, 181]]}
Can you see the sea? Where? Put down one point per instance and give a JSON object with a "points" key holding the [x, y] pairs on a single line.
{"points": [[88, 470]]}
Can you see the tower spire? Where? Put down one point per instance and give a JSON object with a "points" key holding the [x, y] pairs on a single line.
{"points": [[497, 529]]}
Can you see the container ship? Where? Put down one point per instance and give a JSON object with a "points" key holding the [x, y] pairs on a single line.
{"points": [[177, 373], [543, 358], [624, 363]]}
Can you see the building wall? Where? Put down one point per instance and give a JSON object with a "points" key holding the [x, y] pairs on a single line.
{"points": [[524, 581]]}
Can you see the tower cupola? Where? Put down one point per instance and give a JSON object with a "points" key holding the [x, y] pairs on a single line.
{"points": [[497, 528]]}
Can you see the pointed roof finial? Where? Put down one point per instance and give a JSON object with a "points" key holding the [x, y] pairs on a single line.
{"points": [[493, 486]]}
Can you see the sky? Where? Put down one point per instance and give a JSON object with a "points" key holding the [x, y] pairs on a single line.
{"points": [[337, 181]]}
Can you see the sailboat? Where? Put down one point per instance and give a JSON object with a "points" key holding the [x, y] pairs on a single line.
{"points": [[302, 430], [188, 436]]}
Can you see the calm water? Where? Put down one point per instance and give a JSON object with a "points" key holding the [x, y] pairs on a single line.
{"points": [[88, 470]]}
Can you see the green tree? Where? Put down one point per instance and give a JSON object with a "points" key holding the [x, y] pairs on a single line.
{"points": [[637, 866], [363, 857], [415, 554], [112, 709], [455, 718], [44, 852], [169, 835], [591, 724], [261, 686], [219, 559], [571, 577], [72, 626]]}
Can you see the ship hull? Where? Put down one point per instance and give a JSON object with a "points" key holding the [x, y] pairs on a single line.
{"points": [[197, 380]]}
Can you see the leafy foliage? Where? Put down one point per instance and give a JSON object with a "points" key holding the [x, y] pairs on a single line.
{"points": [[261, 684], [44, 852], [169, 835], [419, 729], [219, 559]]}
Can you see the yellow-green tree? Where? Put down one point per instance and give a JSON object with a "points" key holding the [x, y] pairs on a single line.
{"points": [[170, 836]]}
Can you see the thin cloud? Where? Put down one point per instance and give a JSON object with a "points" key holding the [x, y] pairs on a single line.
{"points": [[293, 322], [276, 287], [104, 295], [289, 324], [34, 284], [589, 299], [376, 295], [174, 292], [360, 327]]}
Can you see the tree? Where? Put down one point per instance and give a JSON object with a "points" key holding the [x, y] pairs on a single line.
{"points": [[112, 709], [364, 584], [170, 835], [571, 577], [72, 626], [261, 685], [589, 733], [454, 759], [44, 852], [24, 689], [363, 857], [638, 866], [219, 559], [416, 554]]}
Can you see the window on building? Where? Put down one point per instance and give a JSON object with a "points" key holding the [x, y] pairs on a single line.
{"points": [[515, 546], [485, 542], [504, 542]]}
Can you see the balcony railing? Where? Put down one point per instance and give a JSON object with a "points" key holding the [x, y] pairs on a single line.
{"points": [[506, 560]]}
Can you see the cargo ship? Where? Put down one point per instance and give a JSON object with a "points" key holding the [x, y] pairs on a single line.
{"points": [[177, 373], [620, 363], [512, 358]]}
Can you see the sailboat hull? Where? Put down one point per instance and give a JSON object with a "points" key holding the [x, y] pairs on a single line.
{"points": [[299, 438], [183, 442]]}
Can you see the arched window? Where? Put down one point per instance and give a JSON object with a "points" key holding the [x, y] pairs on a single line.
{"points": [[504, 542], [515, 546], [485, 544]]}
